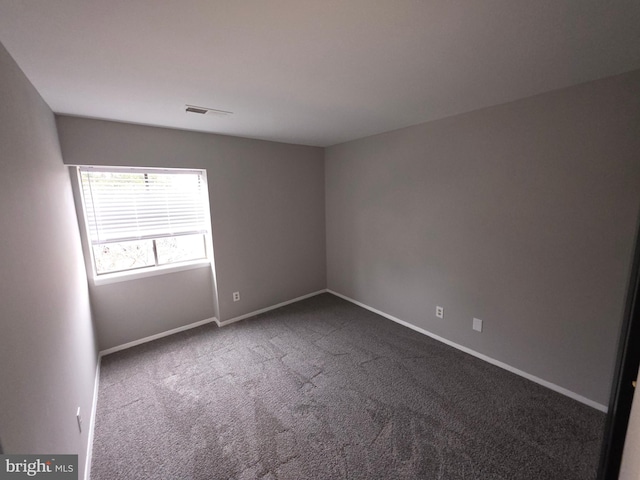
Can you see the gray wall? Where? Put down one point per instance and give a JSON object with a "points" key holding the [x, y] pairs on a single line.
{"points": [[522, 215], [47, 347], [135, 309], [267, 209]]}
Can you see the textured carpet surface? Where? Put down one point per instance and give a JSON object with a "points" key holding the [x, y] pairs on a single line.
{"points": [[322, 389]]}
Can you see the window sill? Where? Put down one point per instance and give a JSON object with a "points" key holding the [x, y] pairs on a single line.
{"points": [[148, 272]]}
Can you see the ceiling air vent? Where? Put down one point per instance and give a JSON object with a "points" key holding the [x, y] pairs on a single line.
{"points": [[201, 111], [204, 110]]}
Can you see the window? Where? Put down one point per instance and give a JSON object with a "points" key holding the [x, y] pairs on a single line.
{"points": [[144, 218]]}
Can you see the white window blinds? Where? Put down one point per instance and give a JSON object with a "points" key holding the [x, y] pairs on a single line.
{"points": [[123, 204]]}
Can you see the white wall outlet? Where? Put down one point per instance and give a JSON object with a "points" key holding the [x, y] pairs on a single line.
{"points": [[477, 324], [79, 419], [236, 296], [440, 312]]}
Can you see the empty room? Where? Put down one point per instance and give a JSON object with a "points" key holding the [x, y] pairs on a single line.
{"points": [[319, 239]]}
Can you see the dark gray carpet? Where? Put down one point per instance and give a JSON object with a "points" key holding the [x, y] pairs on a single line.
{"points": [[323, 389]]}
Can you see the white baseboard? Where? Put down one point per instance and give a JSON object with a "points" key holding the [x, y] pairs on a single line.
{"points": [[156, 336], [204, 322], [92, 422], [263, 310], [528, 376]]}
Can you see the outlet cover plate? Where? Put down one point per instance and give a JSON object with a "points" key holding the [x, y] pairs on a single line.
{"points": [[477, 324]]}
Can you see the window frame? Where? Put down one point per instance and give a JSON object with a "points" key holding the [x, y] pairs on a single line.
{"points": [[146, 271]]}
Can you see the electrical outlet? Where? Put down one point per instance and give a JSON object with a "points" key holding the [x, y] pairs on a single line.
{"points": [[477, 324], [236, 296], [79, 419], [440, 312]]}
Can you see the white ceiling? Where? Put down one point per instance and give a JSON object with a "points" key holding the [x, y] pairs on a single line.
{"points": [[314, 72]]}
